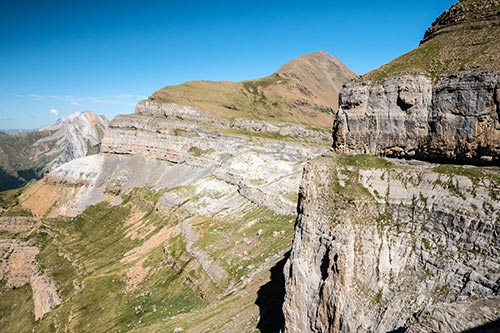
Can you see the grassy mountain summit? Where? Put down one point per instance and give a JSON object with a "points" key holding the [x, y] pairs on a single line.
{"points": [[303, 91], [465, 37]]}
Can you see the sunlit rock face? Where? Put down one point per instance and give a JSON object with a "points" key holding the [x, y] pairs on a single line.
{"points": [[383, 246], [456, 118]]}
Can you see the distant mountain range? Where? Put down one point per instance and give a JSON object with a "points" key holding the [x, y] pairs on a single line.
{"points": [[27, 155]]}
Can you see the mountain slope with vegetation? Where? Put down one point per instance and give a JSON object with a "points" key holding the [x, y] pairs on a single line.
{"points": [[181, 222], [465, 37], [303, 91]]}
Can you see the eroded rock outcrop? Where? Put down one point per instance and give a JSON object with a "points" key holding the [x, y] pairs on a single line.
{"points": [[164, 145], [385, 247], [19, 266]]}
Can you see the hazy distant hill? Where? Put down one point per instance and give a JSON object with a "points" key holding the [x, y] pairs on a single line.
{"points": [[27, 155]]}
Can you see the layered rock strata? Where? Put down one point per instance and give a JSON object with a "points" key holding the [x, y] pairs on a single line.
{"points": [[457, 118], [164, 145], [385, 246]]}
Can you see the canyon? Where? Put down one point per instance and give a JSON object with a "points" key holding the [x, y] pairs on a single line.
{"points": [[271, 204]]}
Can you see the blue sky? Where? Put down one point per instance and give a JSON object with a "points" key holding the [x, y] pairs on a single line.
{"points": [[58, 57]]}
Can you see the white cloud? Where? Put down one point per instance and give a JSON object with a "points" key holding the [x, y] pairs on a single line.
{"points": [[54, 112], [75, 103]]}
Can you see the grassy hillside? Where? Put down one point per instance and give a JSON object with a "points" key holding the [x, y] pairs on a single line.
{"points": [[128, 268], [465, 37], [303, 91]]}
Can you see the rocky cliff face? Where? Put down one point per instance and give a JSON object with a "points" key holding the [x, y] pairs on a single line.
{"points": [[385, 247], [262, 159], [457, 118], [395, 246]]}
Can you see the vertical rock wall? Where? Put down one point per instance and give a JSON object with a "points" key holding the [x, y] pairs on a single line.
{"points": [[386, 247], [457, 118]]}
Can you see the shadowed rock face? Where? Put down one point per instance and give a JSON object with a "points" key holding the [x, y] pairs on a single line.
{"points": [[456, 118], [398, 247]]}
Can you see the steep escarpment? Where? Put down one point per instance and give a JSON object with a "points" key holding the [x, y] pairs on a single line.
{"points": [[27, 156], [439, 105], [303, 91], [456, 118], [381, 246]]}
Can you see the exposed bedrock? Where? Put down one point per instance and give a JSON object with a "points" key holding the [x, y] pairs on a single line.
{"points": [[456, 118], [400, 247]]}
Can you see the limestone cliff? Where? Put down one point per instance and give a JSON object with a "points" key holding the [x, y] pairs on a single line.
{"points": [[456, 118], [382, 246], [440, 101], [19, 266]]}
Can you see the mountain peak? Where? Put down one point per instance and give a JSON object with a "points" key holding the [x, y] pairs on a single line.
{"points": [[318, 60], [303, 91], [86, 116]]}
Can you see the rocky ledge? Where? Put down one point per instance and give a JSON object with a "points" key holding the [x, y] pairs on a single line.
{"points": [[456, 118], [391, 246]]}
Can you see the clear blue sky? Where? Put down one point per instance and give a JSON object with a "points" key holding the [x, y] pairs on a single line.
{"points": [[58, 57]]}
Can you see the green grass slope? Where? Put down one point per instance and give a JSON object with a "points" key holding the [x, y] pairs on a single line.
{"points": [[465, 37], [303, 91]]}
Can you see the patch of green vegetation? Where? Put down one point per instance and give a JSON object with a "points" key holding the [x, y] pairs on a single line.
{"points": [[377, 298], [197, 151], [469, 171], [475, 174], [9, 203], [256, 87], [365, 161], [426, 243], [9, 198], [184, 132], [469, 42], [16, 309], [440, 292]]}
